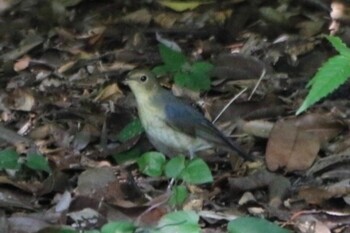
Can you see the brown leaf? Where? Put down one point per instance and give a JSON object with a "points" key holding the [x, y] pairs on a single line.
{"points": [[294, 143], [290, 147], [166, 19], [22, 64], [314, 195], [322, 126], [237, 67], [142, 16], [110, 92], [20, 99]]}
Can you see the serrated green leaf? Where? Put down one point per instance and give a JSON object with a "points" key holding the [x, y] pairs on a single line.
{"points": [[52, 229], [197, 172], [131, 130], [37, 162], [161, 70], [178, 196], [174, 166], [181, 5], [180, 221], [183, 79], [9, 159], [151, 163], [173, 60], [253, 225], [338, 44], [202, 67], [197, 78], [118, 227], [128, 155], [329, 77], [193, 81]]}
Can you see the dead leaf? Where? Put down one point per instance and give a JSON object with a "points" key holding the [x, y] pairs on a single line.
{"points": [[294, 143], [30, 42], [277, 185], [314, 195], [321, 221], [166, 19], [27, 224], [258, 128], [21, 100], [322, 126], [181, 5], [22, 64], [110, 92], [142, 16], [13, 199], [237, 67], [290, 148]]}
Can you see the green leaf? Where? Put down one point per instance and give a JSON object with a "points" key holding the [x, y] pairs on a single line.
{"points": [[161, 70], [174, 167], [128, 155], [197, 172], [173, 60], [338, 44], [131, 130], [178, 196], [253, 225], [183, 79], [201, 75], [329, 77], [9, 159], [152, 163], [66, 231], [181, 5], [92, 231], [180, 221], [202, 67], [37, 162], [197, 79], [52, 229], [118, 227]]}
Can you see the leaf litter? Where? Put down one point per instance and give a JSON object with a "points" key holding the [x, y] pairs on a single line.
{"points": [[61, 68]]}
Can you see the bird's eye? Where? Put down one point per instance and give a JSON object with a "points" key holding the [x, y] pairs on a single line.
{"points": [[143, 78]]}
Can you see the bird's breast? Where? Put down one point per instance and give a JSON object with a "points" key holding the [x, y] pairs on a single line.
{"points": [[162, 136]]}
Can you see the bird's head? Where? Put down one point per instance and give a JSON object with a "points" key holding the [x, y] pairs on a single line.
{"points": [[142, 82]]}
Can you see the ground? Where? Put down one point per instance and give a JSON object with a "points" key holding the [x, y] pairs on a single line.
{"points": [[69, 131]]}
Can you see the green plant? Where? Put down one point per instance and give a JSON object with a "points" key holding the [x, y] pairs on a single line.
{"points": [[131, 130], [178, 221], [194, 171], [194, 76], [330, 76], [253, 225], [154, 163], [10, 159]]}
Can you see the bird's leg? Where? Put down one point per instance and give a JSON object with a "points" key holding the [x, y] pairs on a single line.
{"points": [[171, 183], [191, 152]]}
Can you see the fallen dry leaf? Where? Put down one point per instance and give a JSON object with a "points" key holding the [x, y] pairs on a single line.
{"points": [[290, 148], [20, 99], [110, 92], [22, 64], [294, 143]]}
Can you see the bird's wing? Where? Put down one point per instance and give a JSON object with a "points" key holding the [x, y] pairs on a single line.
{"points": [[182, 117], [186, 119]]}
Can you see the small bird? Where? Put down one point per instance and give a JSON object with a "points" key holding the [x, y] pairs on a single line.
{"points": [[172, 126]]}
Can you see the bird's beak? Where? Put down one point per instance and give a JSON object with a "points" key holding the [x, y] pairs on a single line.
{"points": [[126, 80]]}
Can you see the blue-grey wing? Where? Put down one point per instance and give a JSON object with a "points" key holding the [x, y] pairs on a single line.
{"points": [[186, 119], [182, 117]]}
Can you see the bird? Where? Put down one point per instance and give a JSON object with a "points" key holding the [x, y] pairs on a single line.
{"points": [[172, 126]]}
